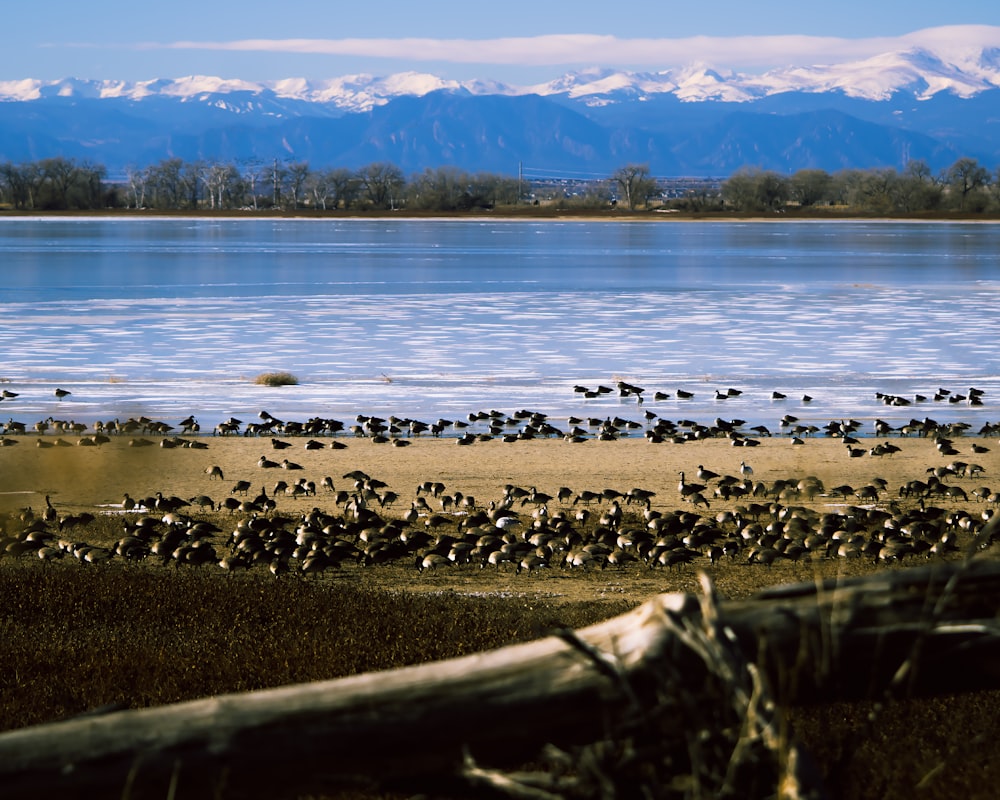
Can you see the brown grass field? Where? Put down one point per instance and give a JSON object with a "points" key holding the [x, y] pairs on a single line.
{"points": [[80, 633]]}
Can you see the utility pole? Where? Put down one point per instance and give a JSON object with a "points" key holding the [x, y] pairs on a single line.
{"points": [[274, 179]]}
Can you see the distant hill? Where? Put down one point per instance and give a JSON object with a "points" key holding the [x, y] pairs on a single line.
{"points": [[882, 112]]}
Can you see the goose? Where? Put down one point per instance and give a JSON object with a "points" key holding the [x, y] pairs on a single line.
{"points": [[531, 563], [705, 474], [202, 501], [266, 463], [214, 472], [688, 489], [432, 561]]}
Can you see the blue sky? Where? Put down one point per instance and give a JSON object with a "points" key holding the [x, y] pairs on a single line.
{"points": [[514, 40]]}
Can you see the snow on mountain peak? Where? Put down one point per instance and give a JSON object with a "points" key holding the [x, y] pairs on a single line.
{"points": [[961, 59]]}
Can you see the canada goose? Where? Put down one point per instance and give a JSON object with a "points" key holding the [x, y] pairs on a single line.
{"points": [[432, 561], [688, 489], [230, 504], [698, 499], [214, 472], [266, 463], [705, 474], [49, 515], [531, 563]]}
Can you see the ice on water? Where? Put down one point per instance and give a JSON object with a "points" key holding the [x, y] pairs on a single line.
{"points": [[436, 319]]}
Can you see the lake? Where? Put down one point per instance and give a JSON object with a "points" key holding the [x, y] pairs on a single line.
{"points": [[439, 319]]}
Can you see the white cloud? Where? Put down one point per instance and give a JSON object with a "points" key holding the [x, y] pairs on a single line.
{"points": [[744, 52]]}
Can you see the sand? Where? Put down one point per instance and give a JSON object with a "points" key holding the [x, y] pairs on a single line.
{"points": [[94, 479], [84, 478]]}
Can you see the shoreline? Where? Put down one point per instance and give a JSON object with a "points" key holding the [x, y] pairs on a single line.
{"points": [[507, 215]]}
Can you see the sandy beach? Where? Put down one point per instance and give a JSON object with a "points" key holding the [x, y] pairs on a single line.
{"points": [[95, 479]]}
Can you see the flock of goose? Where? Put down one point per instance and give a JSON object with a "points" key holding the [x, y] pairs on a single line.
{"points": [[523, 529], [487, 425]]}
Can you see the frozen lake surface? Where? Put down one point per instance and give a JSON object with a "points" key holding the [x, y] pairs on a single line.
{"points": [[440, 319]]}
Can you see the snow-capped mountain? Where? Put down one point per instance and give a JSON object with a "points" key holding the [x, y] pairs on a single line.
{"points": [[937, 100]]}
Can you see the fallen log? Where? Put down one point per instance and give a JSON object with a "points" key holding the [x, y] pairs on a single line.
{"points": [[698, 676]]}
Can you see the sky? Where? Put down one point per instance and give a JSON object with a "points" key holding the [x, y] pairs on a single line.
{"points": [[520, 42]]}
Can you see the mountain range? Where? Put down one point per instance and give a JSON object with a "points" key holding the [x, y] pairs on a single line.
{"points": [[931, 102]]}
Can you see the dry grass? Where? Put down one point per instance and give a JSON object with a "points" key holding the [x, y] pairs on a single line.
{"points": [[276, 379]]}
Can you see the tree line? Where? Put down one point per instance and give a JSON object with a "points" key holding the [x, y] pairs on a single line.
{"points": [[965, 186], [175, 184]]}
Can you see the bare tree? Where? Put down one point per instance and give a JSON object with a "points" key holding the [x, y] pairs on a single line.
{"points": [[966, 176], [219, 180], [277, 178], [251, 175], [296, 175], [137, 186], [344, 187], [382, 183], [756, 190], [19, 181], [809, 186], [634, 184]]}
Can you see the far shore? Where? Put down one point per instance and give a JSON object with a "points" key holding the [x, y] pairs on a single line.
{"points": [[509, 214]]}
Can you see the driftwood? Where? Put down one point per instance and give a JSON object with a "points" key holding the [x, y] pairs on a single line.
{"points": [[663, 674]]}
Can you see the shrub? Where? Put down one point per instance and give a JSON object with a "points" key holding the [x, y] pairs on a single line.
{"points": [[276, 379]]}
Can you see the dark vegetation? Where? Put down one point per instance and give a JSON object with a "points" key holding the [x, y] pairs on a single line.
{"points": [[77, 639], [58, 184]]}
